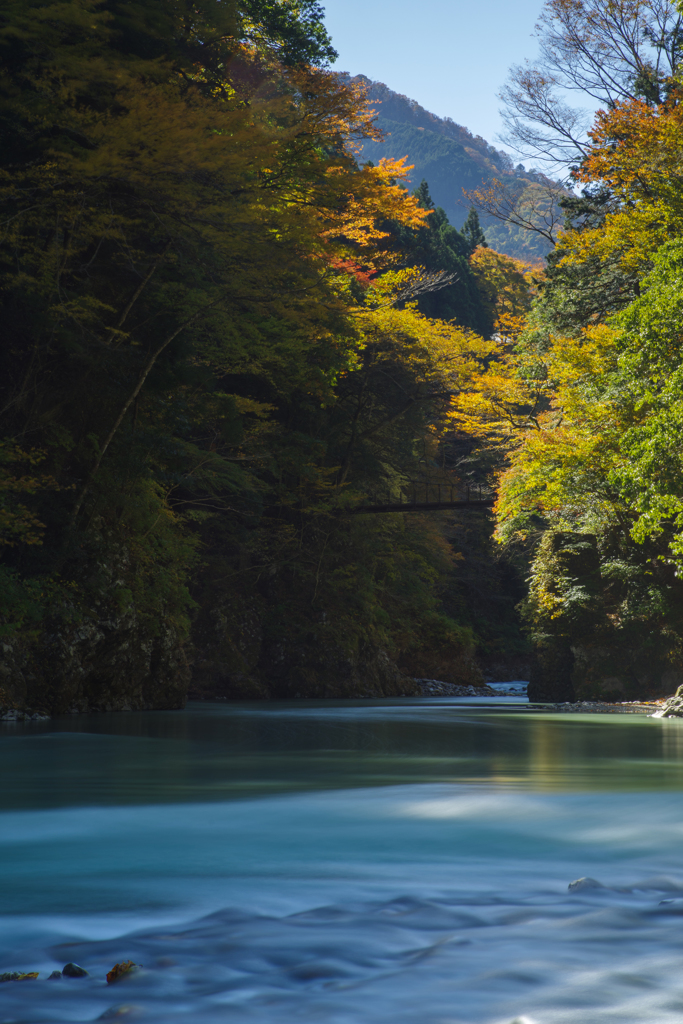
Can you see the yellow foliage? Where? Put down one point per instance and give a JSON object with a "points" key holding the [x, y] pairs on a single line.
{"points": [[18, 524], [446, 358], [507, 286], [636, 152], [572, 441], [633, 234]]}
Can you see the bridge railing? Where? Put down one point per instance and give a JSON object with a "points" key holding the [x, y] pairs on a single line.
{"points": [[429, 495]]}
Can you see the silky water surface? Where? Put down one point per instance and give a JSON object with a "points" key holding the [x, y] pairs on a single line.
{"points": [[358, 862]]}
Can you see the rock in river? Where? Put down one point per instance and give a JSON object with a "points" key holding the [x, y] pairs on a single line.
{"points": [[74, 971]]}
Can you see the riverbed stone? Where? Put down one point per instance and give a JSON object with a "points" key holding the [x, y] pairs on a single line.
{"points": [[585, 883], [671, 708], [122, 970], [439, 688], [72, 970]]}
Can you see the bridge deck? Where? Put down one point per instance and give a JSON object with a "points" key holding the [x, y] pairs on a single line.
{"points": [[424, 506]]}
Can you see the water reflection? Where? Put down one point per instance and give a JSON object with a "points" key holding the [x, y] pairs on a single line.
{"points": [[214, 752]]}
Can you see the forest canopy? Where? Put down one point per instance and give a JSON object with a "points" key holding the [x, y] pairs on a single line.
{"points": [[226, 334], [591, 486], [218, 340]]}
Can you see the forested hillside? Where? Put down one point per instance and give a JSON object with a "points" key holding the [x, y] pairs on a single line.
{"points": [[451, 159], [588, 400], [225, 336], [221, 336]]}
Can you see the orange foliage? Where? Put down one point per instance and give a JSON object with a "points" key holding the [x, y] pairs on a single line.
{"points": [[637, 153], [120, 971], [636, 148]]}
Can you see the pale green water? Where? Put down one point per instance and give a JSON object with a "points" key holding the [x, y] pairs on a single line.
{"points": [[219, 751], [393, 862]]}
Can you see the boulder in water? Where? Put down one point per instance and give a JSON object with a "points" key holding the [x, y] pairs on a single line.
{"points": [[671, 708], [585, 883], [121, 1013], [74, 971]]}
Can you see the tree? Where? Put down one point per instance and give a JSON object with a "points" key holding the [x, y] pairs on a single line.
{"points": [[472, 231], [293, 28], [608, 51], [532, 209], [211, 344], [635, 157], [174, 202], [440, 248], [507, 286]]}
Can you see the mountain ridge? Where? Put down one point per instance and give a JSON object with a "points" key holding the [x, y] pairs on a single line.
{"points": [[450, 158]]}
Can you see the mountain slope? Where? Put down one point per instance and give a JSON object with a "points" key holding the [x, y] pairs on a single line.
{"points": [[450, 159]]}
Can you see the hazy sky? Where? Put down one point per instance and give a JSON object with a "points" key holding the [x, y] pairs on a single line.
{"points": [[451, 56]]}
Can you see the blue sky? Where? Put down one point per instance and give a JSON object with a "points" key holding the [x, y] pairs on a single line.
{"points": [[451, 56]]}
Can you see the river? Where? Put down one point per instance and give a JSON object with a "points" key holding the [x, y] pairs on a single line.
{"points": [[344, 862]]}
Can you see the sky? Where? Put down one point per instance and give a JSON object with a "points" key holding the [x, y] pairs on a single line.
{"points": [[452, 56]]}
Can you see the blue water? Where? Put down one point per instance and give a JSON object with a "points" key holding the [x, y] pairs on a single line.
{"points": [[395, 862]]}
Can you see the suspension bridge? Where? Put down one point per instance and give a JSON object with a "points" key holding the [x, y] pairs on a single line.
{"points": [[425, 496]]}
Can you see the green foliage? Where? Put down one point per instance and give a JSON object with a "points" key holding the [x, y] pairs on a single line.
{"points": [[649, 386], [438, 246], [203, 349], [294, 27], [472, 231], [451, 159]]}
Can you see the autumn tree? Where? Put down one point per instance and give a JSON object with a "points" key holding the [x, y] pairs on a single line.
{"points": [[198, 280], [604, 51], [439, 248]]}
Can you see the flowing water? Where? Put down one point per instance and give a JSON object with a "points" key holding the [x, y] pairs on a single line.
{"points": [[358, 862]]}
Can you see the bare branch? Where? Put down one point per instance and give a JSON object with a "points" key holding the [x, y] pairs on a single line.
{"points": [[605, 50], [422, 284], [535, 208]]}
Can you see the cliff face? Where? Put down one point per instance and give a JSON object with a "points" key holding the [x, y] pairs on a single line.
{"points": [[101, 666], [104, 664]]}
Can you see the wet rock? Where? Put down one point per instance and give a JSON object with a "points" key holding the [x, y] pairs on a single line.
{"points": [[123, 970], [11, 714], [671, 708], [55, 976], [19, 976], [121, 1013], [74, 971], [439, 688], [584, 883]]}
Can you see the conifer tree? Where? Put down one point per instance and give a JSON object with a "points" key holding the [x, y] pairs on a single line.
{"points": [[472, 231]]}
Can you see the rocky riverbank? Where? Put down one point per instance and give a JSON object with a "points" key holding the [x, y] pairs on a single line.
{"points": [[588, 707], [438, 688], [672, 707]]}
